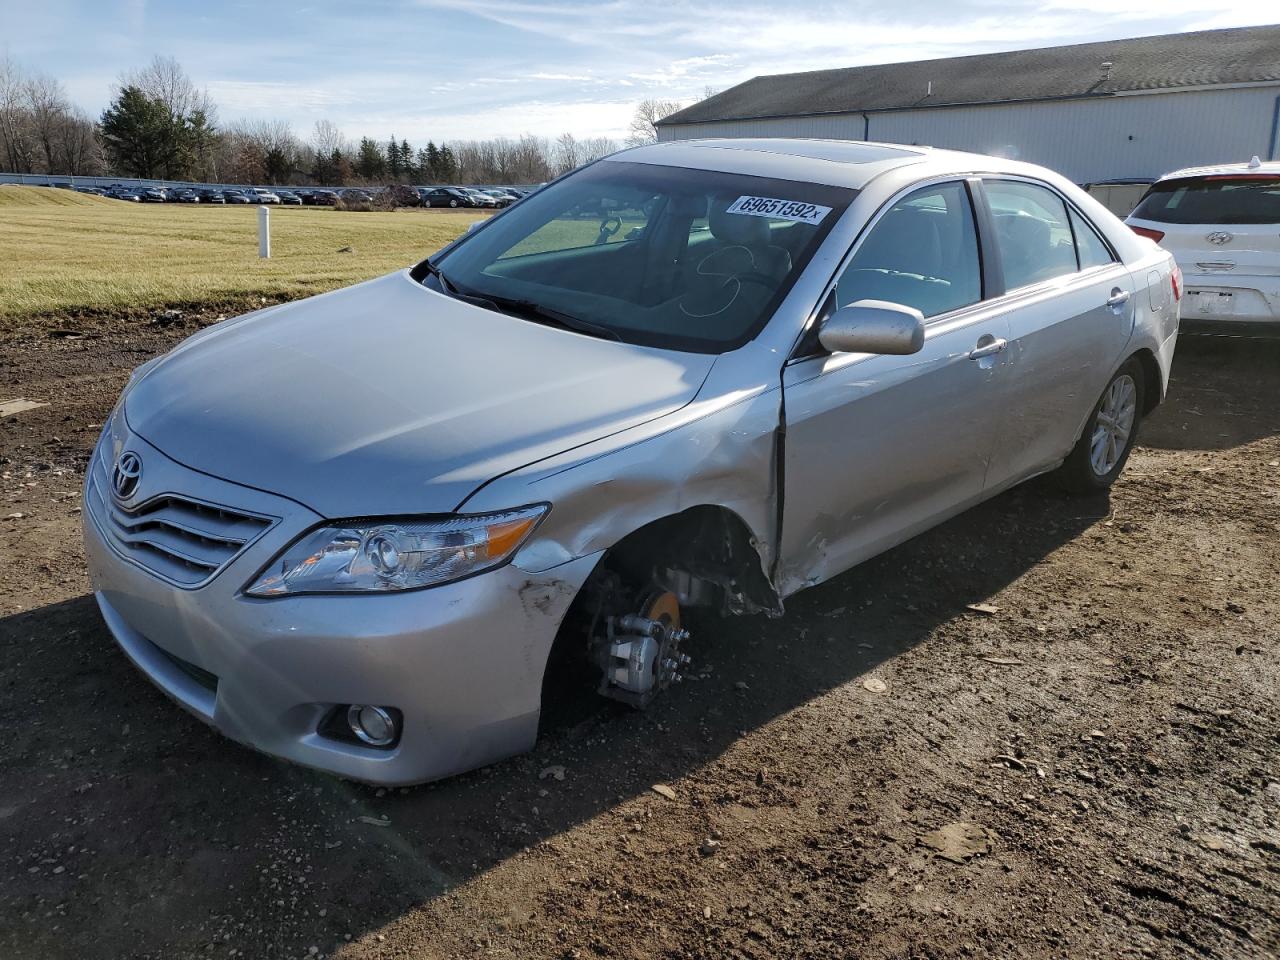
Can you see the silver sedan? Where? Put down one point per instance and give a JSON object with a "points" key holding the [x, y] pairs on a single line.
{"points": [[375, 530]]}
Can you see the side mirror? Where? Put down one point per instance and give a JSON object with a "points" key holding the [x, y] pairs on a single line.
{"points": [[874, 326]]}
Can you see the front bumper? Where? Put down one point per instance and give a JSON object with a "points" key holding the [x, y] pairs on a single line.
{"points": [[463, 662]]}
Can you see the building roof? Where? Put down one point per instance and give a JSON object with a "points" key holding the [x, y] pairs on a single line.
{"points": [[1207, 57]]}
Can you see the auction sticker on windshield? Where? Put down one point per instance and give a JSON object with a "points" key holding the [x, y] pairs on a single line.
{"points": [[778, 209]]}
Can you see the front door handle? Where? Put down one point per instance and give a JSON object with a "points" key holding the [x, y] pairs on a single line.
{"points": [[1118, 297], [989, 349]]}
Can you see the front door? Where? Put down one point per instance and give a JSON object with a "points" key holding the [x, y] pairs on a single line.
{"points": [[879, 448]]}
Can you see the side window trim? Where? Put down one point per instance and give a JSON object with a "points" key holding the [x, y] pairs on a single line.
{"points": [[993, 287], [1074, 213]]}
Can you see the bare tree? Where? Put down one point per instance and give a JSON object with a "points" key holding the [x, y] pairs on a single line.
{"points": [[532, 159], [47, 106], [326, 138], [76, 145], [596, 147], [40, 130], [164, 79], [644, 122], [16, 146], [564, 157], [271, 146]]}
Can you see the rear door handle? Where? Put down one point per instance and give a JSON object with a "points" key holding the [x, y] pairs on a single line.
{"points": [[988, 349], [1118, 298]]}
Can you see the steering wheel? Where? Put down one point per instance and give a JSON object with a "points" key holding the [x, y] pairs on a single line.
{"points": [[608, 227]]}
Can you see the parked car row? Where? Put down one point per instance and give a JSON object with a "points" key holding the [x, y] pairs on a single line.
{"points": [[403, 196], [470, 197]]}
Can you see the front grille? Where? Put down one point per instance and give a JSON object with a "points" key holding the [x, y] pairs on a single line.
{"points": [[181, 540]]}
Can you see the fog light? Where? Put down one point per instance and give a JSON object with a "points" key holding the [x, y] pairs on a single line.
{"points": [[373, 725]]}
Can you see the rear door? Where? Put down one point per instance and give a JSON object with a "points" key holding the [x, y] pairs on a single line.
{"points": [[1070, 306], [1224, 231]]}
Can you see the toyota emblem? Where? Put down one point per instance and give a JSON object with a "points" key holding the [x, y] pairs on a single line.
{"points": [[125, 477], [1218, 237]]}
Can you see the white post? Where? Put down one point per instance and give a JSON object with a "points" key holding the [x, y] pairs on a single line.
{"points": [[264, 232]]}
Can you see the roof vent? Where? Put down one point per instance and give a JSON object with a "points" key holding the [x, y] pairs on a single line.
{"points": [[1106, 69], [1255, 163]]}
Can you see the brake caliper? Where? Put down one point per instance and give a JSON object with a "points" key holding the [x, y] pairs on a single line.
{"points": [[641, 654]]}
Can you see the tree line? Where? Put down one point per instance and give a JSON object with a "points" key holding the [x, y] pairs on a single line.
{"points": [[160, 125]]}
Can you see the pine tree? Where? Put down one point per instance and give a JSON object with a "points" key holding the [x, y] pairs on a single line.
{"points": [[393, 158], [432, 174], [448, 164], [371, 162]]}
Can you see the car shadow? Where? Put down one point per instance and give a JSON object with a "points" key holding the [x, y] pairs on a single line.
{"points": [[1224, 392], [191, 836]]}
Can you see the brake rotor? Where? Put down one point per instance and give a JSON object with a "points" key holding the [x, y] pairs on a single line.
{"points": [[663, 607]]}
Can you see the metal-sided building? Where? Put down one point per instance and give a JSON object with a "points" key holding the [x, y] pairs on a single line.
{"points": [[1094, 111]]}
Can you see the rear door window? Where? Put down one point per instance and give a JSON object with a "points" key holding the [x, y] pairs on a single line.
{"points": [[1032, 231], [1229, 198]]}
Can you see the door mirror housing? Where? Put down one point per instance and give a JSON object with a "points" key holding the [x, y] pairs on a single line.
{"points": [[874, 326]]}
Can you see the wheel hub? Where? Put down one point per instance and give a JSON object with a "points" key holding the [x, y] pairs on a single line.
{"points": [[1113, 425]]}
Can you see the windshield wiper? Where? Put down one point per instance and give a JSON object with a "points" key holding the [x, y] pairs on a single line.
{"points": [[445, 284], [536, 311], [458, 293], [524, 308]]}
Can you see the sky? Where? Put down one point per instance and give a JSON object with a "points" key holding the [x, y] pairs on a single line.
{"points": [[457, 69]]}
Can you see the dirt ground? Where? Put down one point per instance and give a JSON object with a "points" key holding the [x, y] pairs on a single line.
{"points": [[1097, 753]]}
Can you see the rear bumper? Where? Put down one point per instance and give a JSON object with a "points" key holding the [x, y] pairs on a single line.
{"points": [[1217, 298]]}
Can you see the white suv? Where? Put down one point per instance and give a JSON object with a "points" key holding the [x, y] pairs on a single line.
{"points": [[1222, 225]]}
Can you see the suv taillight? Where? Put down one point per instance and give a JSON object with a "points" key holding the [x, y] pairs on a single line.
{"points": [[1156, 235], [1175, 278]]}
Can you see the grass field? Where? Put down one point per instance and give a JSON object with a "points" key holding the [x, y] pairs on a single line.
{"points": [[64, 254]]}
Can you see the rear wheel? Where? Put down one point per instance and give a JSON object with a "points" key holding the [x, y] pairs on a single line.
{"points": [[1108, 438]]}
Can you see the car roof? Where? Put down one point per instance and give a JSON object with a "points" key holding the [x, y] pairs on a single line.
{"points": [[837, 163], [1253, 166]]}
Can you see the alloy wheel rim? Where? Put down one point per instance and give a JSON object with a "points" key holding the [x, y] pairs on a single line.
{"points": [[1113, 425]]}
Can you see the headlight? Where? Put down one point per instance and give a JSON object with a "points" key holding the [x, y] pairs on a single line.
{"points": [[382, 556]]}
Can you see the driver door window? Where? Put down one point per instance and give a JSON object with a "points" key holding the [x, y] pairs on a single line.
{"points": [[922, 253]]}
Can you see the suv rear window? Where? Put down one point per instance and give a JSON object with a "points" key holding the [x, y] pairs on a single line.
{"points": [[1230, 198]]}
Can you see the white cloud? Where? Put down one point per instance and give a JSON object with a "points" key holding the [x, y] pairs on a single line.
{"points": [[464, 68], [273, 97]]}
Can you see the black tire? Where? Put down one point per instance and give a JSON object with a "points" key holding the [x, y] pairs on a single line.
{"points": [[1089, 469], [453, 203]]}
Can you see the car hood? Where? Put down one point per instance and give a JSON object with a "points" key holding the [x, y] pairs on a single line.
{"points": [[389, 398]]}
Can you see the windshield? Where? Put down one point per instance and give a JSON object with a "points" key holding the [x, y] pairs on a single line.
{"points": [[689, 260], [1230, 198]]}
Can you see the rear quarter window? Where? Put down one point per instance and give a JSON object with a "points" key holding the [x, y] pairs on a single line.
{"points": [[1240, 199]]}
